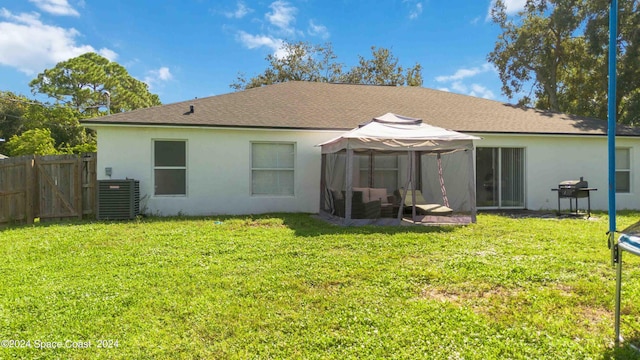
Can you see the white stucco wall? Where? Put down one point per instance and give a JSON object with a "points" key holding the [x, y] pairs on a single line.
{"points": [[218, 168], [552, 159]]}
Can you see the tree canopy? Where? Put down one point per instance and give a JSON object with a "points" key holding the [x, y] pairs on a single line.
{"points": [[306, 62], [383, 69], [90, 82], [303, 61], [559, 48], [78, 87], [32, 142], [19, 114], [12, 107]]}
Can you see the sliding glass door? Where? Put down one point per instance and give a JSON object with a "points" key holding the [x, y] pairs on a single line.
{"points": [[500, 177]]}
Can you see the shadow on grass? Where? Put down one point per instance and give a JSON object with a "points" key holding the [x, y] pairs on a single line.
{"points": [[625, 351], [303, 224], [307, 225]]}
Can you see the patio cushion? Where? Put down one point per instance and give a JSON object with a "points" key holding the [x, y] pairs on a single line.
{"points": [[378, 194], [423, 206]]}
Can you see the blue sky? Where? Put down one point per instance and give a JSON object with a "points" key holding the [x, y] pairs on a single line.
{"points": [[196, 48]]}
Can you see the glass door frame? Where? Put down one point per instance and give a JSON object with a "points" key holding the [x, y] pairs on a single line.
{"points": [[499, 176]]}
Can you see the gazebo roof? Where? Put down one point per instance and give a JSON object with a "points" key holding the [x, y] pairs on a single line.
{"points": [[397, 132]]}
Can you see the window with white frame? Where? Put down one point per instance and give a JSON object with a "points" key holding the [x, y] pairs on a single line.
{"points": [[385, 170], [272, 168], [170, 167], [623, 170]]}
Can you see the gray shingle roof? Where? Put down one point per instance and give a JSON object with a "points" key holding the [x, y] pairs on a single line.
{"points": [[313, 105]]}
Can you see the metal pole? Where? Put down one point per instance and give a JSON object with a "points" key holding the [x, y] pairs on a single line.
{"points": [[611, 124], [611, 141]]}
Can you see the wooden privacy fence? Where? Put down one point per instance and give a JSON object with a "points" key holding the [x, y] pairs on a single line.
{"points": [[47, 187]]}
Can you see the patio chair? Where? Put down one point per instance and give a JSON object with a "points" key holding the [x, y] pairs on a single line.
{"points": [[359, 208], [422, 206]]}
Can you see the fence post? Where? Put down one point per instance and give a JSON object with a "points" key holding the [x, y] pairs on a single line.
{"points": [[77, 177], [88, 183], [30, 189]]}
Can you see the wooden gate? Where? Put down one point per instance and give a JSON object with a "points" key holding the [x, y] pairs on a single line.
{"points": [[59, 186], [16, 189], [47, 187]]}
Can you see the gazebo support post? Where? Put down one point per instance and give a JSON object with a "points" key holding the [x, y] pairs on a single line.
{"points": [[412, 166], [472, 186], [323, 183], [348, 196]]}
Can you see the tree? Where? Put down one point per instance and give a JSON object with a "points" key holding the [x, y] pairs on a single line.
{"points": [[559, 47], [12, 107], [536, 49], [35, 141], [64, 123], [83, 82], [302, 62], [19, 114], [628, 64], [306, 62], [383, 69]]}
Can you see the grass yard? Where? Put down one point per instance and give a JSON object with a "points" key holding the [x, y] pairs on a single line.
{"points": [[289, 286]]}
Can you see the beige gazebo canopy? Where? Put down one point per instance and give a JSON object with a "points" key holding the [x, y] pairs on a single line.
{"points": [[391, 133]]}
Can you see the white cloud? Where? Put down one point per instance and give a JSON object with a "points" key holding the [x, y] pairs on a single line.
{"points": [[465, 73], [481, 91], [281, 19], [513, 6], [56, 7], [459, 87], [474, 89], [282, 16], [456, 84], [281, 53], [31, 46], [318, 30], [154, 77], [108, 53], [164, 74], [256, 41], [416, 11], [239, 12]]}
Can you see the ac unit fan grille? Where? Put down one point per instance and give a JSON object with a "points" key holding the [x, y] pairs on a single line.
{"points": [[118, 199]]}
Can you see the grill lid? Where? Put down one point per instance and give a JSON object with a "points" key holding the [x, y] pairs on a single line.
{"points": [[574, 183]]}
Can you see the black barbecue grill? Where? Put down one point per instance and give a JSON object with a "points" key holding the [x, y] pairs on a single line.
{"points": [[573, 190]]}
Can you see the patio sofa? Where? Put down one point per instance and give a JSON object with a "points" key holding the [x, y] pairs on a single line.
{"points": [[366, 203]]}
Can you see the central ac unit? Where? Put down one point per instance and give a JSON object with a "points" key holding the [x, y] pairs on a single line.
{"points": [[118, 199]]}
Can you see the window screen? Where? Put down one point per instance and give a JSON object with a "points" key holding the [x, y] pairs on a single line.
{"points": [[623, 170], [272, 169], [170, 171]]}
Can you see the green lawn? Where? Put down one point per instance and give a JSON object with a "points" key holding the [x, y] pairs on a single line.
{"points": [[289, 286]]}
